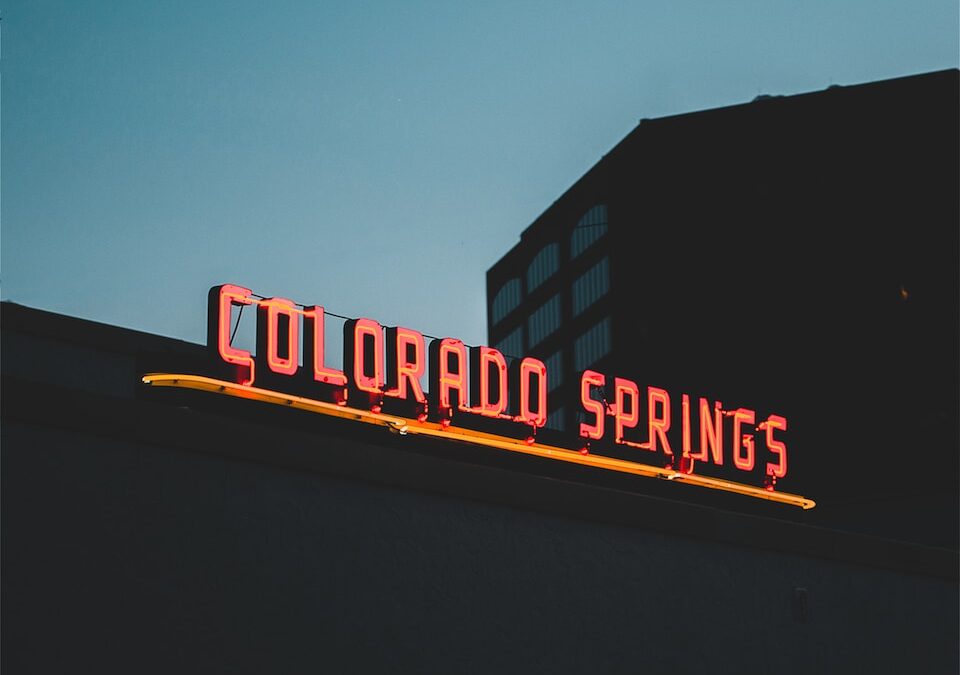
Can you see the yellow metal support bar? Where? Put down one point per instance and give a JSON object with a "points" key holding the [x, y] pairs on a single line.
{"points": [[407, 426]]}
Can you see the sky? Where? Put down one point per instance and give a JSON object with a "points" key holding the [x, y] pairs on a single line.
{"points": [[375, 158]]}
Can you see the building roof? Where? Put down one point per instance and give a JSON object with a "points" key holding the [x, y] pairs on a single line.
{"points": [[84, 377]]}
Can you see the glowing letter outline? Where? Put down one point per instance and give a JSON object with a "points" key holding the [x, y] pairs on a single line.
{"points": [[220, 302], [591, 378]]}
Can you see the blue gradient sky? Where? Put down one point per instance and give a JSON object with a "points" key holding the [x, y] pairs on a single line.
{"points": [[373, 157]]}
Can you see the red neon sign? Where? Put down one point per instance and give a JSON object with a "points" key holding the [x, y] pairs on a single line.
{"points": [[406, 363], [363, 348], [221, 300], [281, 312], [536, 370], [391, 362], [685, 427], [658, 425], [743, 450], [490, 375], [625, 411], [588, 382], [778, 470], [313, 348], [626, 397], [448, 363], [711, 435], [379, 361]]}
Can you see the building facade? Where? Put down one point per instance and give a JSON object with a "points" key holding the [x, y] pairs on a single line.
{"points": [[175, 531], [798, 251]]}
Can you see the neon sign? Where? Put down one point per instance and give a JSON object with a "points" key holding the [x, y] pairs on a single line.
{"points": [[625, 411], [380, 383], [380, 362]]}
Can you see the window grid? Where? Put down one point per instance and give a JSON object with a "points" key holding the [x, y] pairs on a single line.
{"points": [[506, 300], [512, 344], [554, 364], [591, 286], [592, 345], [555, 419], [544, 265], [591, 227], [544, 320]]}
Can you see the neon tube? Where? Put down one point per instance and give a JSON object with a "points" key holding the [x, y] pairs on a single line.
{"points": [[405, 426]]}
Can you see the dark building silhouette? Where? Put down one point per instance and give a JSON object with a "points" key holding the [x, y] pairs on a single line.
{"points": [[175, 531], [799, 253]]}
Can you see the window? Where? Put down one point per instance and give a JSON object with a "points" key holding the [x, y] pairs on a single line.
{"points": [[591, 227], [554, 364], [544, 265], [512, 345], [506, 300], [592, 345], [592, 285], [555, 419], [544, 320]]}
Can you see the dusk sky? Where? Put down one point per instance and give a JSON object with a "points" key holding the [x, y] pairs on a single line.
{"points": [[372, 157]]}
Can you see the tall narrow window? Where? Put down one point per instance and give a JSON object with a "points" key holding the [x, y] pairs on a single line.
{"points": [[544, 320], [555, 419], [591, 286], [506, 300], [512, 345], [591, 227], [592, 345], [543, 266], [554, 364]]}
